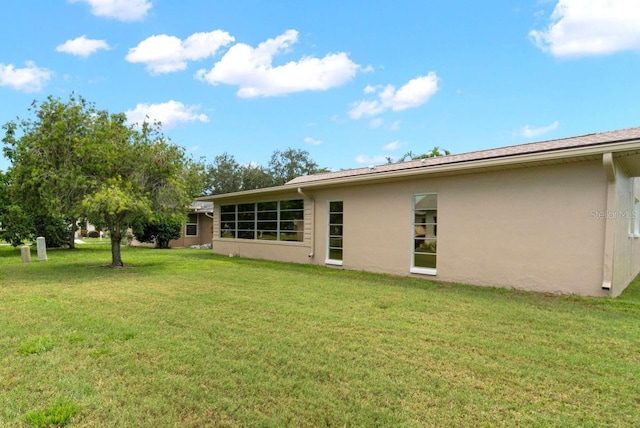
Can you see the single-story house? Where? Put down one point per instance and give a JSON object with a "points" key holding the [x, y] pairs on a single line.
{"points": [[558, 216], [198, 228]]}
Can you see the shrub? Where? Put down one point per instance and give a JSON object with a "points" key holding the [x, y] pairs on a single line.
{"points": [[93, 234]]}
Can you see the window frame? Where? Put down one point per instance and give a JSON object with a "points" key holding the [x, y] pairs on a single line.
{"points": [[188, 223], [328, 259], [263, 221], [420, 269]]}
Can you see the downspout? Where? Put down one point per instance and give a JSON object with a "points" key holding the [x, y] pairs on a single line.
{"points": [[313, 225], [610, 221]]}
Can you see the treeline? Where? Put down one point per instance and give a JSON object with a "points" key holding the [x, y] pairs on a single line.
{"points": [[71, 162]]}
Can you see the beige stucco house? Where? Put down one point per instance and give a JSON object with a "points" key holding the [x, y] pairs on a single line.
{"points": [[555, 216], [198, 228]]}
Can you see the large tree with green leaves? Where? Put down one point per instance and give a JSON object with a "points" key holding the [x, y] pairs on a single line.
{"points": [[48, 152], [141, 175], [226, 175], [73, 161], [288, 164]]}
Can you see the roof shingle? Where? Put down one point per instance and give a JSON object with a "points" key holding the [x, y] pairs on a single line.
{"points": [[587, 140]]}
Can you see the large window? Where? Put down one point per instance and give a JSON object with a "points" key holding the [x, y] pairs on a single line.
{"points": [[335, 233], [191, 228], [272, 221], [425, 233]]}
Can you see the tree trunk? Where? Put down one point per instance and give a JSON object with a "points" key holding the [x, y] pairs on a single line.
{"points": [[72, 238], [116, 239]]}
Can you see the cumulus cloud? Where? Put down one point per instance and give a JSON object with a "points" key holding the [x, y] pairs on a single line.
{"points": [[596, 27], [312, 141], [529, 132], [414, 93], [253, 71], [122, 10], [169, 114], [166, 54], [28, 79], [81, 46]]}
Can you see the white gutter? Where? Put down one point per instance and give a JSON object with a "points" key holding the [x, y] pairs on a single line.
{"points": [[609, 228]]}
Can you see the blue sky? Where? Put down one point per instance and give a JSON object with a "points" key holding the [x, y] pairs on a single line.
{"points": [[352, 82]]}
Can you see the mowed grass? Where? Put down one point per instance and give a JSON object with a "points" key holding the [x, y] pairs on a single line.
{"points": [[185, 338]]}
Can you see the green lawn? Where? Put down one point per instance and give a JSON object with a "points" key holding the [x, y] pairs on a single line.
{"points": [[185, 338]]}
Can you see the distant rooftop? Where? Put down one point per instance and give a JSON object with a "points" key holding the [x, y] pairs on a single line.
{"points": [[602, 138], [200, 206]]}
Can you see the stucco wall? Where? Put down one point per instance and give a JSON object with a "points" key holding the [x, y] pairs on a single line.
{"points": [[205, 232], [536, 228], [530, 228], [626, 263], [296, 252]]}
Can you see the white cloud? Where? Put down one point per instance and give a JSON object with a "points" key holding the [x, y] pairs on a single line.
{"points": [[529, 132], [395, 125], [376, 123], [312, 141], [81, 46], [166, 54], [169, 114], [253, 71], [122, 10], [29, 79], [371, 160], [370, 89], [595, 27], [394, 145], [414, 93]]}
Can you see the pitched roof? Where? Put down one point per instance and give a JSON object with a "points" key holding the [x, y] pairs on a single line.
{"points": [[588, 140]]}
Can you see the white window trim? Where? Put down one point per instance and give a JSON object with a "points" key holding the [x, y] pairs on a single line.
{"points": [[414, 269], [197, 224], [636, 218], [329, 261], [421, 270]]}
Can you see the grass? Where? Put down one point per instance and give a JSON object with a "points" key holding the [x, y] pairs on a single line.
{"points": [[186, 338]]}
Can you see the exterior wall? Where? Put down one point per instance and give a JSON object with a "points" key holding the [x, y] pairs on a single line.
{"points": [[538, 228], [529, 228], [205, 231], [297, 252], [626, 262]]}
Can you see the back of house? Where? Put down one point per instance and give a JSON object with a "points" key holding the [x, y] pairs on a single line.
{"points": [[558, 216]]}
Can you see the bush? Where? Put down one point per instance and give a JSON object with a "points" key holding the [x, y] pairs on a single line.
{"points": [[93, 234]]}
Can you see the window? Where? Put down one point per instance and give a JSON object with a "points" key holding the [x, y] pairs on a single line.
{"points": [[270, 221], [425, 233], [191, 228], [334, 235]]}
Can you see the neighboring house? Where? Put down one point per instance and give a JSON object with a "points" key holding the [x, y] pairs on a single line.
{"points": [[198, 228], [556, 216]]}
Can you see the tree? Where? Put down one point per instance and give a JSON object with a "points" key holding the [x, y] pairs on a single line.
{"points": [[14, 224], [286, 165], [48, 183], [223, 175], [140, 176], [435, 152], [160, 230], [255, 177], [73, 161]]}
